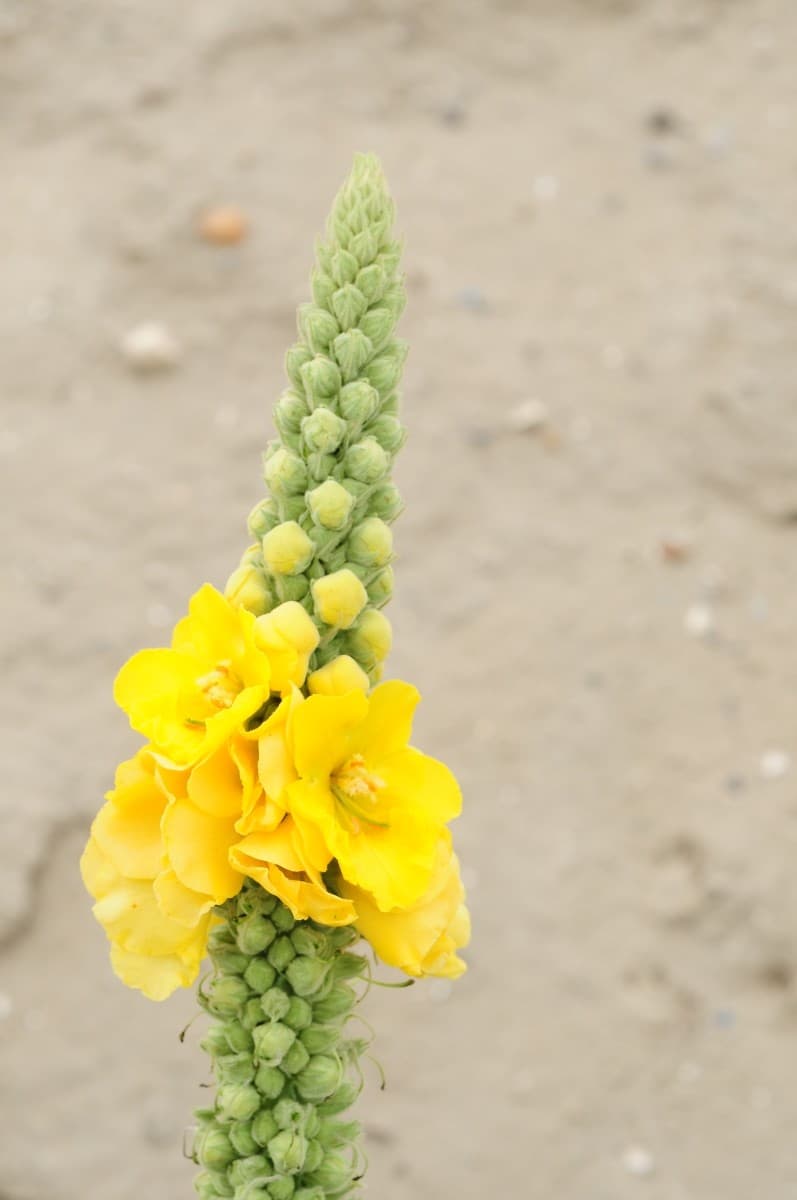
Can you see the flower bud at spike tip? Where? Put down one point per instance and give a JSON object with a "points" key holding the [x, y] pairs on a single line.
{"points": [[287, 549], [330, 505], [339, 598]]}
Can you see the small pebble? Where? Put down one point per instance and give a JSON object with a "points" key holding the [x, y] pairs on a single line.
{"points": [[151, 347], [675, 549], [638, 1161], [774, 764], [662, 120], [223, 226], [699, 621], [528, 417], [473, 299]]}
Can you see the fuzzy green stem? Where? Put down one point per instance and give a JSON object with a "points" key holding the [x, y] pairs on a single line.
{"points": [[284, 1068]]}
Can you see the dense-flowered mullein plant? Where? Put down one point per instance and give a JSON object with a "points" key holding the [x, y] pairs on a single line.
{"points": [[277, 812]]}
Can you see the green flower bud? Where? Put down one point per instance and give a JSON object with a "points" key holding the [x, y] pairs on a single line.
{"points": [[235, 1068], [342, 936], [203, 1184], [335, 1174], [283, 918], [291, 508], [309, 940], [370, 543], [389, 432], [281, 1189], [319, 1079], [260, 975], [312, 1123], [371, 638], [338, 1004], [252, 1014], [342, 1098], [295, 359], [366, 461], [281, 953], [349, 966], [269, 1082], [264, 1126], [348, 305], [371, 282], [262, 518], [254, 934], [219, 1184], [291, 587], [275, 1003], [272, 1042], [385, 502], [214, 1149], [287, 1150], [228, 994], [321, 378], [377, 324], [330, 505], [296, 1059], [246, 1170], [395, 298], [352, 350], [238, 1038], [381, 589], [285, 473], [364, 246], [290, 1114], [384, 371], [220, 937], [241, 1138], [317, 327], [323, 431], [338, 1133], [310, 1193], [253, 1191], [300, 1014], [344, 267], [319, 1039], [306, 975], [389, 259], [358, 402], [320, 467], [229, 961], [214, 1041], [323, 285], [314, 1156], [237, 1101], [255, 900]]}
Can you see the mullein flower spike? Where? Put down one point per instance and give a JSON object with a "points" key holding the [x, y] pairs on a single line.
{"points": [[277, 811]]}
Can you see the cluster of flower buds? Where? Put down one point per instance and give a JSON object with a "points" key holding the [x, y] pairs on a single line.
{"points": [[285, 1069], [323, 536]]}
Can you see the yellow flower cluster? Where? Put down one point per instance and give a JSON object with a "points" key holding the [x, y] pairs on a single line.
{"points": [[253, 769]]}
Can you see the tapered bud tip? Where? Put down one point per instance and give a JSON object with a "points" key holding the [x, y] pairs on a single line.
{"points": [[287, 550], [339, 598], [323, 431], [330, 505], [340, 675], [264, 516], [370, 543]]}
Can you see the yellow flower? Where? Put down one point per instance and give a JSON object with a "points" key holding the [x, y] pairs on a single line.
{"points": [[377, 804], [156, 925], [339, 598], [288, 635], [190, 699], [424, 938]]}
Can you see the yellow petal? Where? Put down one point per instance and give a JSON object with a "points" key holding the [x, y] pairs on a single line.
{"points": [[127, 829], [337, 677], [157, 977], [197, 845], [130, 916], [388, 725], [149, 689], [98, 873], [306, 897], [214, 785], [178, 902], [323, 729], [394, 865], [421, 785]]}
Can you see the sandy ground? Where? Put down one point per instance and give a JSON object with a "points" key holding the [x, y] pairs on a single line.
{"points": [[597, 563]]}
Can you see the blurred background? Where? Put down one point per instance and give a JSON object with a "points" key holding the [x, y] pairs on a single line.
{"points": [[595, 588]]}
